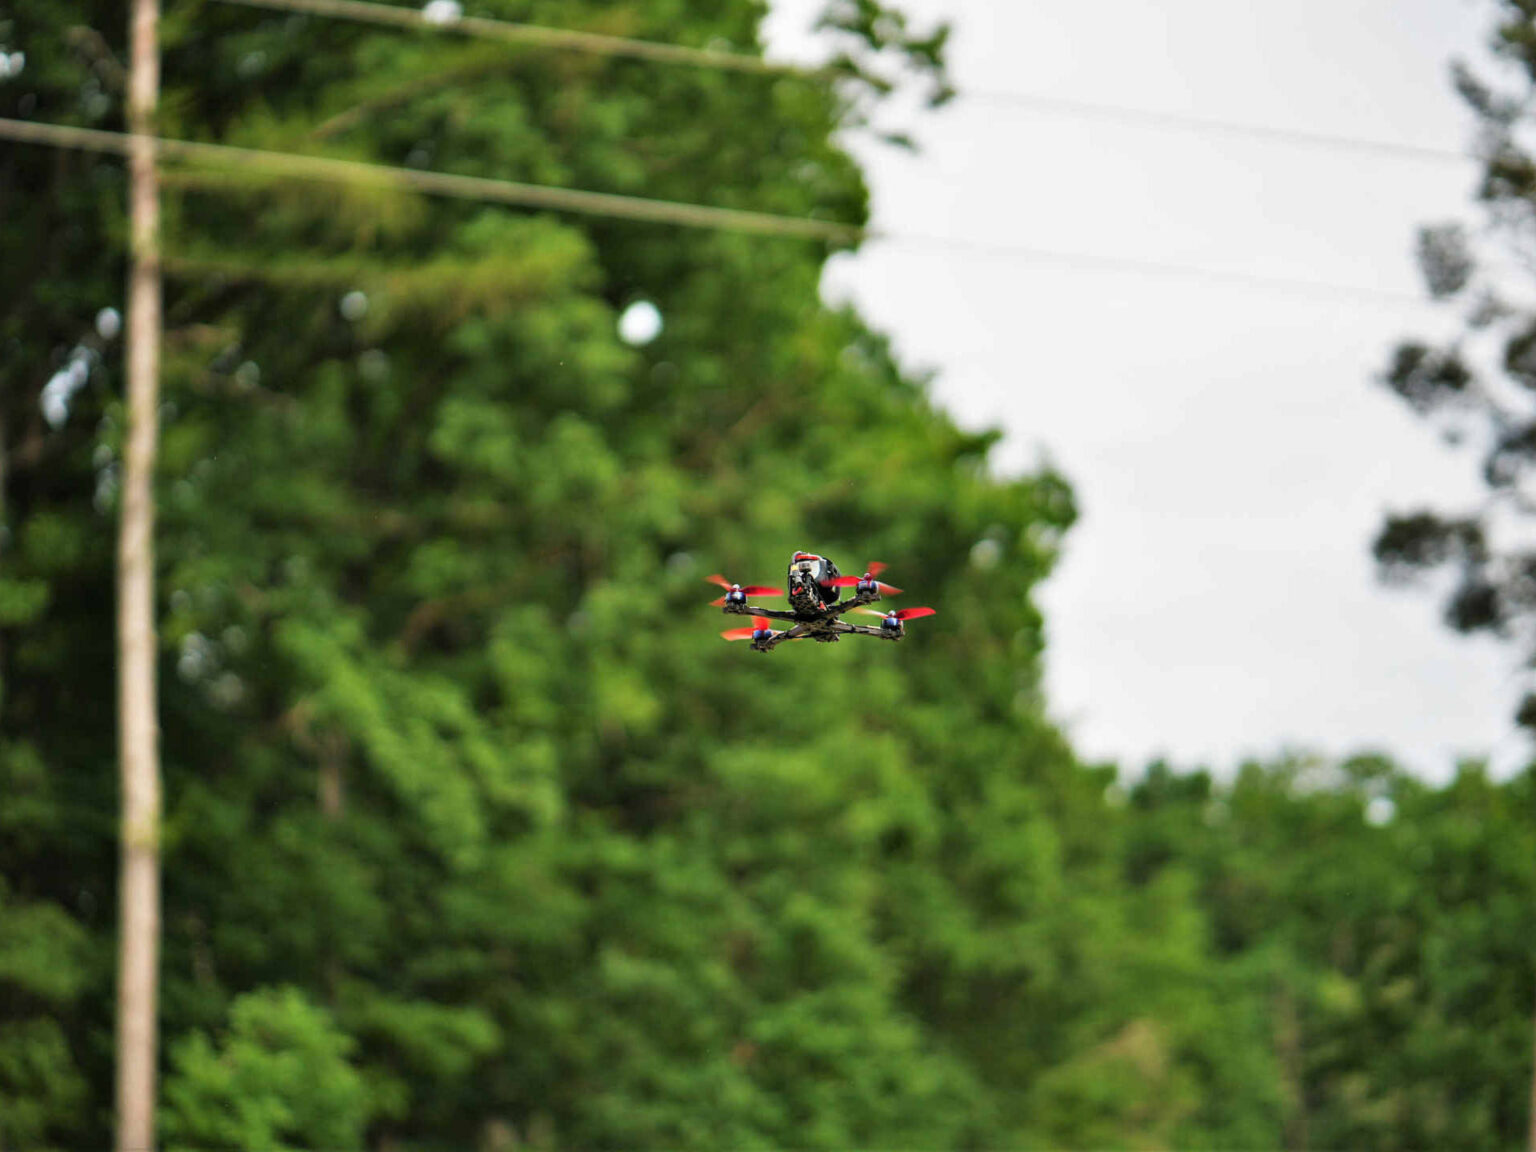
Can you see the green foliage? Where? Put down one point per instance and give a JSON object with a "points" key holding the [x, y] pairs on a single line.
{"points": [[476, 835], [278, 1079], [44, 968], [1392, 958]]}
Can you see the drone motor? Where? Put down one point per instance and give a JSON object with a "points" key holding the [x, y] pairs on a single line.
{"points": [[815, 588]]}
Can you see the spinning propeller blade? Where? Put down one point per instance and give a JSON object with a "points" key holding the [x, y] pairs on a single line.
{"points": [[759, 623], [749, 589], [871, 570], [903, 614], [850, 581]]}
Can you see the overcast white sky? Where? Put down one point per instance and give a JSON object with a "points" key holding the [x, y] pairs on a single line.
{"points": [[1230, 453]]}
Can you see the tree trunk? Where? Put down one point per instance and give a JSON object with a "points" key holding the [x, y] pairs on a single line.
{"points": [[1294, 1121], [138, 726], [5, 544], [333, 747], [1532, 1141]]}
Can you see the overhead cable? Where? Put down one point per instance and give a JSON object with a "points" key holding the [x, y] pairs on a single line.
{"points": [[544, 36], [1089, 262], [635, 208], [289, 164], [1054, 105], [533, 35]]}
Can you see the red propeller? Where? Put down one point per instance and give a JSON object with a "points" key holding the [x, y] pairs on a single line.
{"points": [[871, 570], [903, 614], [759, 624], [748, 590]]}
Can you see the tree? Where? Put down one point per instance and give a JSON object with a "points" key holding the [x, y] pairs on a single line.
{"points": [[412, 485], [475, 835], [1481, 385], [280, 1079], [1386, 922], [1483, 382]]}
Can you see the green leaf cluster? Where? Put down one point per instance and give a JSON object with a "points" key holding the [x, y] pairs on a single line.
{"points": [[476, 835]]}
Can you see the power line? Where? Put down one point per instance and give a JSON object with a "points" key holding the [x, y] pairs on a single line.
{"points": [[1062, 106], [533, 35], [285, 164], [658, 52], [539, 196], [1087, 262]]}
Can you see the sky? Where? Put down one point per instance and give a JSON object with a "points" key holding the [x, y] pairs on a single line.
{"points": [[1230, 449]]}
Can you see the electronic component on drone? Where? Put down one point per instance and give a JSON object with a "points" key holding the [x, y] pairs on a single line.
{"points": [[815, 607]]}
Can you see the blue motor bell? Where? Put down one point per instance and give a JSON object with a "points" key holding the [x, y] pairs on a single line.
{"points": [[736, 596], [762, 634], [891, 624]]}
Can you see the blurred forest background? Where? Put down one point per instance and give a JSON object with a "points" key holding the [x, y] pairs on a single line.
{"points": [[476, 836]]}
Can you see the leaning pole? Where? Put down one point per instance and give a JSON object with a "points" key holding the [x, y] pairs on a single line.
{"points": [[138, 726]]}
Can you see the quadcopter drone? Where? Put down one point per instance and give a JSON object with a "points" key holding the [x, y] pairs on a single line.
{"points": [[814, 588]]}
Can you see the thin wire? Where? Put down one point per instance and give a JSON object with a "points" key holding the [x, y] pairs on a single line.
{"points": [[659, 211], [535, 35], [1062, 106], [1293, 285], [543, 36], [443, 184]]}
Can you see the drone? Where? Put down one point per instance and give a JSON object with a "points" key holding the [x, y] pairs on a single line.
{"points": [[815, 588]]}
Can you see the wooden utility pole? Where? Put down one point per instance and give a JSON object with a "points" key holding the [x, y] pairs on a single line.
{"points": [[138, 723]]}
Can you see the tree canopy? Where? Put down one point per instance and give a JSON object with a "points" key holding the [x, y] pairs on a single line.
{"points": [[476, 835], [1477, 386]]}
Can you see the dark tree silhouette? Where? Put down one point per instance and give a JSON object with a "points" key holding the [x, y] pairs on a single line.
{"points": [[1480, 386]]}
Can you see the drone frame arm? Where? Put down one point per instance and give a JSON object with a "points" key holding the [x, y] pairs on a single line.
{"points": [[827, 622], [798, 632], [862, 630], [832, 610], [808, 630], [748, 610], [852, 602]]}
